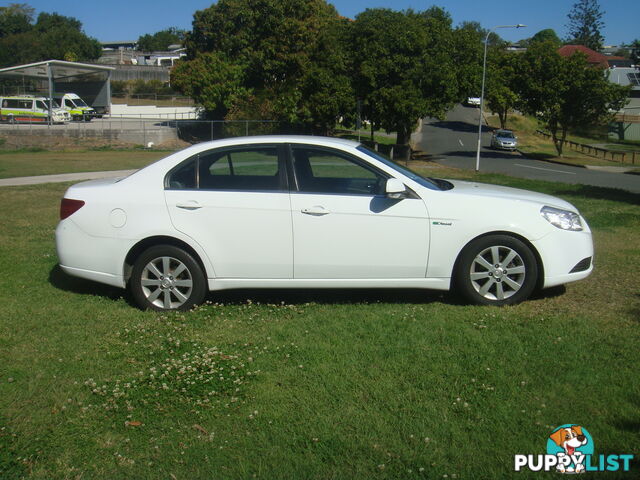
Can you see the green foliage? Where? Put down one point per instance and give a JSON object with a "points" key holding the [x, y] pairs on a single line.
{"points": [[635, 51], [150, 88], [119, 88], [546, 35], [211, 81], [495, 40], [53, 36], [406, 73], [585, 24], [467, 55], [502, 70], [282, 58], [161, 40], [16, 18], [565, 92]]}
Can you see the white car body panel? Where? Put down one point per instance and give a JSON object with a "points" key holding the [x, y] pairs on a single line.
{"points": [[246, 234], [263, 240], [360, 237]]}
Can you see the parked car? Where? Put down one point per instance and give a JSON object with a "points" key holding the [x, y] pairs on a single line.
{"points": [[473, 101], [30, 109], [313, 212], [504, 140], [77, 108]]}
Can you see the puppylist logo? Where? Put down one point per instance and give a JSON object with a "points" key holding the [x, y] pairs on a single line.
{"points": [[570, 450]]}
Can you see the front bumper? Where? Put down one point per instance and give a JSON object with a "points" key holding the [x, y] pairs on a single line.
{"points": [[564, 256], [505, 147]]}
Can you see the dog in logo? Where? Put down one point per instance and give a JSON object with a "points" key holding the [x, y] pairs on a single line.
{"points": [[569, 439]]}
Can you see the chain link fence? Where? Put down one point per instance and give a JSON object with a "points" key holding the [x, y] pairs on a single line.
{"points": [[131, 132]]}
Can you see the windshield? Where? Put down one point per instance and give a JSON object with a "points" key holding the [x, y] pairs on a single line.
{"points": [[505, 134], [431, 183], [44, 104], [79, 102]]}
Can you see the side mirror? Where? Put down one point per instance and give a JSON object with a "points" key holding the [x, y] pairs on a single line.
{"points": [[395, 189]]}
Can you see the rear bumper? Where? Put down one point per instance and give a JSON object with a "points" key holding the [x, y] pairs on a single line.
{"points": [[100, 259], [101, 277]]}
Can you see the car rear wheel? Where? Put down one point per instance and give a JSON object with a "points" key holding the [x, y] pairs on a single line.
{"points": [[496, 270], [165, 277]]}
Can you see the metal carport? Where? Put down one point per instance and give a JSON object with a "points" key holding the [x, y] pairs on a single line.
{"points": [[89, 81]]}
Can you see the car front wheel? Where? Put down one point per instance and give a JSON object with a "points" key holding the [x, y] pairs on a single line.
{"points": [[165, 277], [496, 270]]}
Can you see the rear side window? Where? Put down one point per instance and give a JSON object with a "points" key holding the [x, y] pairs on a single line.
{"points": [[243, 169], [12, 103]]}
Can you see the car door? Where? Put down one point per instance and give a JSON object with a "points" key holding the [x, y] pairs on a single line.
{"points": [[234, 202], [344, 226]]}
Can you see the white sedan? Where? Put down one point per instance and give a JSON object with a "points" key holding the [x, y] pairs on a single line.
{"points": [[313, 212]]}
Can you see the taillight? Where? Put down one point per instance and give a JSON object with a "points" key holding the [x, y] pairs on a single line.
{"points": [[69, 206]]}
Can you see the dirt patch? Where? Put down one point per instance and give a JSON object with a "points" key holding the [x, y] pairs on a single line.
{"points": [[57, 143]]}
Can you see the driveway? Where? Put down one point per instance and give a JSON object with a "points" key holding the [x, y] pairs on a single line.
{"points": [[453, 143]]}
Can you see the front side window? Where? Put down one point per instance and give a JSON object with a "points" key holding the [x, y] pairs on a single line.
{"points": [[247, 168], [320, 170]]}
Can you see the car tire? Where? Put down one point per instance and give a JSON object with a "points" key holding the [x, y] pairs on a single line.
{"points": [[496, 270], [155, 285]]}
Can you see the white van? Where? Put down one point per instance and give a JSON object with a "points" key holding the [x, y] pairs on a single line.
{"points": [[30, 109], [77, 108]]}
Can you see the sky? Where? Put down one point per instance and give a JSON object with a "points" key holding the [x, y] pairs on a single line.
{"points": [[120, 20]]}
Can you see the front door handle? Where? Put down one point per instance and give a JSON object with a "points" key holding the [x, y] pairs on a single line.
{"points": [[316, 211], [190, 205]]}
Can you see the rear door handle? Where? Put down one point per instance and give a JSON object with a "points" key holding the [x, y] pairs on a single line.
{"points": [[316, 211], [190, 205]]}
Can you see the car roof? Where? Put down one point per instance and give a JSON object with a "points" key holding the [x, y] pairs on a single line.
{"points": [[308, 139]]}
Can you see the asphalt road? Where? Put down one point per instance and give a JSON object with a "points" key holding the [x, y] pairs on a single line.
{"points": [[453, 143]]}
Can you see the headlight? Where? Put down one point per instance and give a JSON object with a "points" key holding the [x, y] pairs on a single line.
{"points": [[563, 219]]}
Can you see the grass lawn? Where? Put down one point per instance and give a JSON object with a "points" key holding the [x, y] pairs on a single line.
{"points": [[301, 385], [538, 147], [26, 163]]}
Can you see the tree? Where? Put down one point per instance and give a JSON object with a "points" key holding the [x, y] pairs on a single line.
{"points": [[406, 73], [161, 40], [495, 40], [635, 51], [212, 81], [502, 71], [546, 35], [16, 18], [467, 52], [284, 57], [53, 36], [585, 23], [565, 92]]}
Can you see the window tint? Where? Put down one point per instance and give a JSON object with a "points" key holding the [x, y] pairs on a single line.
{"points": [[184, 177], [328, 171], [40, 104], [251, 169]]}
